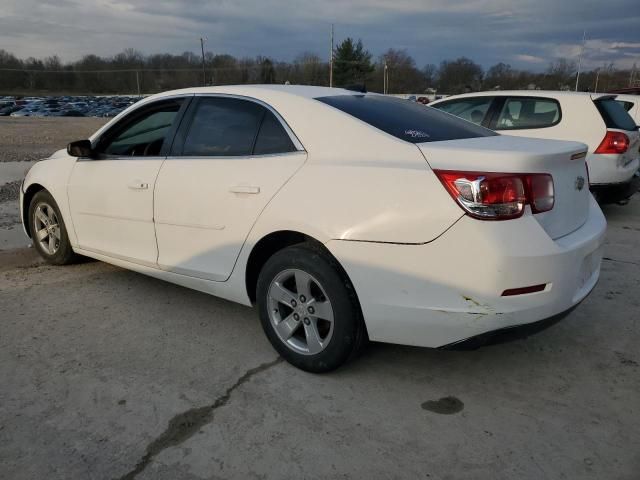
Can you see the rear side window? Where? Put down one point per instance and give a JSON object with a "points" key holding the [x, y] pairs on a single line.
{"points": [[614, 114], [469, 109], [520, 113], [272, 138], [223, 127], [409, 121]]}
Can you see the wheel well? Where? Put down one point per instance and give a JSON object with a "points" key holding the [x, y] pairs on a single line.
{"points": [[28, 196], [264, 249]]}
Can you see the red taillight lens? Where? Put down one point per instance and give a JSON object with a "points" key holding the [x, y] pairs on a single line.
{"points": [[541, 195], [499, 196], [613, 142]]}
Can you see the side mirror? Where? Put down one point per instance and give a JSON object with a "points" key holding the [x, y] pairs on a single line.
{"points": [[80, 148]]}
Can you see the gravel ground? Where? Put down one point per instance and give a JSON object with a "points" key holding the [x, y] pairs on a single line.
{"points": [[33, 138], [105, 373], [10, 191]]}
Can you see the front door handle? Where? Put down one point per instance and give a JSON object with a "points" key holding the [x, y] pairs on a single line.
{"points": [[138, 185], [244, 189]]}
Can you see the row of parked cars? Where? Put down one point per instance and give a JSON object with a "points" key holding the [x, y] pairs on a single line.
{"points": [[606, 123], [64, 106]]}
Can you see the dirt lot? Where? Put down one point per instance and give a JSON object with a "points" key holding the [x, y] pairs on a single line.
{"points": [[105, 373], [25, 139]]}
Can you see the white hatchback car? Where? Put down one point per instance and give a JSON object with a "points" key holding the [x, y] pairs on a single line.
{"points": [[594, 119], [344, 216]]}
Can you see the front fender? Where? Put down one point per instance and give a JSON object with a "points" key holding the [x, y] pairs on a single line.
{"points": [[51, 174]]}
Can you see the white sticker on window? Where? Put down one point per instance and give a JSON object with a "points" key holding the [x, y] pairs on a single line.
{"points": [[416, 133]]}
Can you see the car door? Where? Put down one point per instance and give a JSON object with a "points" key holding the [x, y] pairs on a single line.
{"points": [[111, 195], [473, 109], [229, 158]]}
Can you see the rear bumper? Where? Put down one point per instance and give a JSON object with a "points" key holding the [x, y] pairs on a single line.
{"points": [[507, 334], [450, 290], [616, 192], [611, 169]]}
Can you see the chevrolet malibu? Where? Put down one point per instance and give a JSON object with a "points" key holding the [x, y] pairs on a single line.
{"points": [[344, 216]]}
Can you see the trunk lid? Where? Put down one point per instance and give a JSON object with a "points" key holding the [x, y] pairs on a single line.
{"points": [[564, 161]]}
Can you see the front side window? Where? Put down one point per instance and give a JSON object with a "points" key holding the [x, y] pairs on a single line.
{"points": [[409, 121], [223, 127], [519, 113], [142, 133], [470, 109]]}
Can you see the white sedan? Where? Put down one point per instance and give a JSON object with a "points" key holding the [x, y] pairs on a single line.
{"points": [[344, 216]]}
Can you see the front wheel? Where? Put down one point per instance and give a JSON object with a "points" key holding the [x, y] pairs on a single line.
{"points": [[48, 231], [309, 310]]}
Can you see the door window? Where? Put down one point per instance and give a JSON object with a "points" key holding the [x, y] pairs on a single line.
{"points": [[520, 113], [272, 137], [142, 133], [223, 127], [470, 109]]}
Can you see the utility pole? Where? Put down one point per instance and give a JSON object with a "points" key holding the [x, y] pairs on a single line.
{"points": [[204, 73], [595, 89], [331, 60], [584, 37], [385, 78], [138, 82]]}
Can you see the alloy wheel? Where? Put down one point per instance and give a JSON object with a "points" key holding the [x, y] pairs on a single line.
{"points": [[46, 228], [300, 311]]}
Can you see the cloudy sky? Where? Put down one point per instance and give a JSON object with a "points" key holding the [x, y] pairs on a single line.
{"points": [[525, 33]]}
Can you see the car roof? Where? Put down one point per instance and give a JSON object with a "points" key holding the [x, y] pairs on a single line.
{"points": [[528, 93], [258, 91]]}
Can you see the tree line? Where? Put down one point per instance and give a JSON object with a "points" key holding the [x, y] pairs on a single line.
{"points": [[130, 72]]}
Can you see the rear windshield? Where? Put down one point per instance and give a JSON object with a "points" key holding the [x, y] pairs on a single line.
{"points": [[626, 105], [614, 115], [410, 121]]}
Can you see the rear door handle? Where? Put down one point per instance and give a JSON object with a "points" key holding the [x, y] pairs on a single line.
{"points": [[138, 185], [244, 189]]}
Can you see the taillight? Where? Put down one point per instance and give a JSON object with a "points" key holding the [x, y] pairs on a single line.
{"points": [[499, 196], [613, 142], [540, 193]]}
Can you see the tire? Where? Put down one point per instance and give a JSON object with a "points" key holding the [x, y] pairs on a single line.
{"points": [[309, 310], [45, 216]]}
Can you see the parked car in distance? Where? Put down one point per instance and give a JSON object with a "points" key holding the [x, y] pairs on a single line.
{"points": [[65, 106], [594, 119], [343, 216]]}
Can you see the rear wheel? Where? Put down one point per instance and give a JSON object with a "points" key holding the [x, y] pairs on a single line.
{"points": [[48, 231], [309, 310]]}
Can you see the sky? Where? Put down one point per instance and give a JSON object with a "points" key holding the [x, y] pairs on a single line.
{"points": [[523, 33]]}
